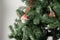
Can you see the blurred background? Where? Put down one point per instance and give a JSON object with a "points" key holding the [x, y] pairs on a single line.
{"points": [[7, 16]]}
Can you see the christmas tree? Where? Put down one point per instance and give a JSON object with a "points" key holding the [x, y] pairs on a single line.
{"points": [[37, 21]]}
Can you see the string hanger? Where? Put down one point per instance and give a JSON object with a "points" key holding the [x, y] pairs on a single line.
{"points": [[28, 8], [24, 18]]}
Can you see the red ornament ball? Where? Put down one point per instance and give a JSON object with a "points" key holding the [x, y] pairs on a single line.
{"points": [[24, 17]]}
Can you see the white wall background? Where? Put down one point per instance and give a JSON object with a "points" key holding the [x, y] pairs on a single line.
{"points": [[8, 16], [0, 19]]}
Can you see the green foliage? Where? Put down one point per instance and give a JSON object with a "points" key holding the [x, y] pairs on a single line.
{"points": [[34, 28], [20, 11], [36, 20], [54, 25], [57, 9]]}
